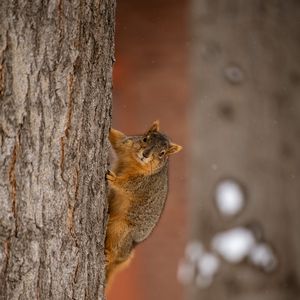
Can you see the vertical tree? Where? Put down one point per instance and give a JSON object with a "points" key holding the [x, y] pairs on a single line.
{"points": [[246, 124], [55, 87]]}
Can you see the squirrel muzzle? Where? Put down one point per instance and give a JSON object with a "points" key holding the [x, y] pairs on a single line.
{"points": [[147, 152]]}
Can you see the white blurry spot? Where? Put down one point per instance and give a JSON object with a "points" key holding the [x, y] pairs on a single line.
{"points": [[234, 245], [198, 266], [193, 251], [186, 272], [229, 197], [263, 256], [208, 264]]}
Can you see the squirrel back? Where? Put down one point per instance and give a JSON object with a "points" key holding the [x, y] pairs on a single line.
{"points": [[138, 188]]}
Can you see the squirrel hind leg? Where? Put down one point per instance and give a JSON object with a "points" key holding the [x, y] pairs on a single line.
{"points": [[114, 268]]}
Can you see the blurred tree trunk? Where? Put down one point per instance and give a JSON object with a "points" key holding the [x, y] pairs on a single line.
{"points": [[55, 86], [246, 126]]}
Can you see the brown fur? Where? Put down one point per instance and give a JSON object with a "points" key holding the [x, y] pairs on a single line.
{"points": [[138, 187]]}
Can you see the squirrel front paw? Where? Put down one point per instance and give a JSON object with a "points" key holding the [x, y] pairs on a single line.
{"points": [[110, 175]]}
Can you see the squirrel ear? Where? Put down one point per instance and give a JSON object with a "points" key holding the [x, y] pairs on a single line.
{"points": [[174, 148], [116, 135], [154, 127]]}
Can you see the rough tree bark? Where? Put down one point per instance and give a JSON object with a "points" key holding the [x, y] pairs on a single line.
{"points": [[55, 85], [246, 70]]}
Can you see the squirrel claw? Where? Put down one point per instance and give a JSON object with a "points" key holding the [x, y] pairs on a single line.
{"points": [[110, 175]]}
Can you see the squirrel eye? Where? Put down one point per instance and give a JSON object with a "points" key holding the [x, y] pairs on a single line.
{"points": [[162, 153], [145, 139]]}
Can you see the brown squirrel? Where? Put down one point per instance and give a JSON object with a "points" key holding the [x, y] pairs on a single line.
{"points": [[138, 188]]}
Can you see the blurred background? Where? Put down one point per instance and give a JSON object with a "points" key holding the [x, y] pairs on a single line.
{"points": [[223, 78]]}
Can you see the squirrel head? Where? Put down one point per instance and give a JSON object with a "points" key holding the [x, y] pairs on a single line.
{"points": [[152, 149]]}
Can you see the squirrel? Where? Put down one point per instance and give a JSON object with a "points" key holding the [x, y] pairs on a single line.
{"points": [[138, 188]]}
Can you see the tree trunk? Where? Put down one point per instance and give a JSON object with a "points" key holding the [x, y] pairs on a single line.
{"points": [[246, 125], [55, 86]]}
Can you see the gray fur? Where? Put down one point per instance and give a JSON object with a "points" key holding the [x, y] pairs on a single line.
{"points": [[145, 213]]}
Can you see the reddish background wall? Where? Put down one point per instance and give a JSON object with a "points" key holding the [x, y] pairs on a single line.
{"points": [[150, 82]]}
